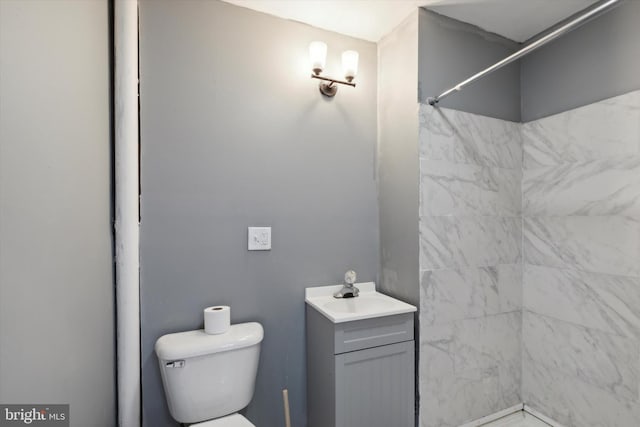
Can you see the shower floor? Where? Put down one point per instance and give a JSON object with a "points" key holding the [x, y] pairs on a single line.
{"points": [[519, 419]]}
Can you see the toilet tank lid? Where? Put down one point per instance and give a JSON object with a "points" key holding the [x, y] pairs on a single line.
{"points": [[183, 345]]}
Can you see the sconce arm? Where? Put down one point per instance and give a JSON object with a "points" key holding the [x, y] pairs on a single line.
{"points": [[328, 79]]}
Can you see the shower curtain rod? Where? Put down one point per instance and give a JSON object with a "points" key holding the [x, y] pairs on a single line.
{"points": [[601, 8]]}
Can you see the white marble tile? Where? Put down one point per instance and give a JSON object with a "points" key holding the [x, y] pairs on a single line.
{"points": [[510, 380], [598, 301], [510, 286], [438, 348], [609, 129], [457, 242], [491, 342], [603, 187], [464, 189], [449, 295], [453, 401], [572, 402], [581, 202], [460, 137], [469, 369], [601, 244], [605, 361]]}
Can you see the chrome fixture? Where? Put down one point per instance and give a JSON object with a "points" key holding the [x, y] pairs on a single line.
{"points": [[348, 290], [318, 56]]}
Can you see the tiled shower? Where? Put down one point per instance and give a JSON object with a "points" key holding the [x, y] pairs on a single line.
{"points": [[470, 260], [530, 265]]}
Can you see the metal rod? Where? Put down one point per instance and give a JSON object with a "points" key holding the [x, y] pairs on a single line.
{"points": [[328, 79], [603, 7]]}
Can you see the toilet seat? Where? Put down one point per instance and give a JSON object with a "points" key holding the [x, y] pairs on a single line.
{"points": [[233, 420]]}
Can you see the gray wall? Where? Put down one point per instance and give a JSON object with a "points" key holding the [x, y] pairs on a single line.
{"points": [[596, 61], [397, 164], [450, 51], [234, 134], [398, 161], [56, 281]]}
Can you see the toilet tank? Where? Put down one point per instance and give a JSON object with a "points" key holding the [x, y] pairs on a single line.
{"points": [[209, 376]]}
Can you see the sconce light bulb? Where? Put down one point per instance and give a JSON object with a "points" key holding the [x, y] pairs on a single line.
{"points": [[350, 64], [318, 56]]}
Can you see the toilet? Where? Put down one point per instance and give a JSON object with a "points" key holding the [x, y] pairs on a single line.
{"points": [[207, 379]]}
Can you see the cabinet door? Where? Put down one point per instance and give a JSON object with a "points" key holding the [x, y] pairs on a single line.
{"points": [[375, 387]]}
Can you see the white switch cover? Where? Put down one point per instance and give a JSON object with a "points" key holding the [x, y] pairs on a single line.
{"points": [[259, 238]]}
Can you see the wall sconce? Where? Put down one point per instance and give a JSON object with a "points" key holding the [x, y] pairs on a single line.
{"points": [[318, 55]]}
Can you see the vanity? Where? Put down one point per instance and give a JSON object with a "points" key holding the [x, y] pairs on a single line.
{"points": [[360, 359]]}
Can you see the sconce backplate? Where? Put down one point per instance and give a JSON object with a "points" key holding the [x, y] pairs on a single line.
{"points": [[328, 89]]}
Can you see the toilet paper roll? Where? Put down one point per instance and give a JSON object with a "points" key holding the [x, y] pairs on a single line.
{"points": [[217, 319]]}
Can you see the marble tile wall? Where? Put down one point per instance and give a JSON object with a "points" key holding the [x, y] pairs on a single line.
{"points": [[530, 265], [581, 264], [470, 261]]}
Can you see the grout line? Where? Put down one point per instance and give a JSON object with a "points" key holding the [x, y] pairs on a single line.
{"points": [[485, 316], [575, 324], [573, 268]]}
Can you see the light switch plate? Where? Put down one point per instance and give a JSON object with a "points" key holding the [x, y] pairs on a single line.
{"points": [[259, 238]]}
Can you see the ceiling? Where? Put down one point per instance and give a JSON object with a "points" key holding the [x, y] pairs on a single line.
{"points": [[517, 20], [370, 20]]}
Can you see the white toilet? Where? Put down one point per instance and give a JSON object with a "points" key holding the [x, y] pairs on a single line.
{"points": [[208, 378]]}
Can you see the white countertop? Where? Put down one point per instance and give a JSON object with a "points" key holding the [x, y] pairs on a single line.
{"points": [[367, 305]]}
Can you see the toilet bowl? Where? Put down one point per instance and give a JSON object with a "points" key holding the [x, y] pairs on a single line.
{"points": [[207, 379]]}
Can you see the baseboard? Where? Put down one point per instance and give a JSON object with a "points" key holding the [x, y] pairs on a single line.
{"points": [[496, 416], [529, 410]]}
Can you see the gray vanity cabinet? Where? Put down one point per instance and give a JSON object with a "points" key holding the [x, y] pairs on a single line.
{"points": [[360, 373]]}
